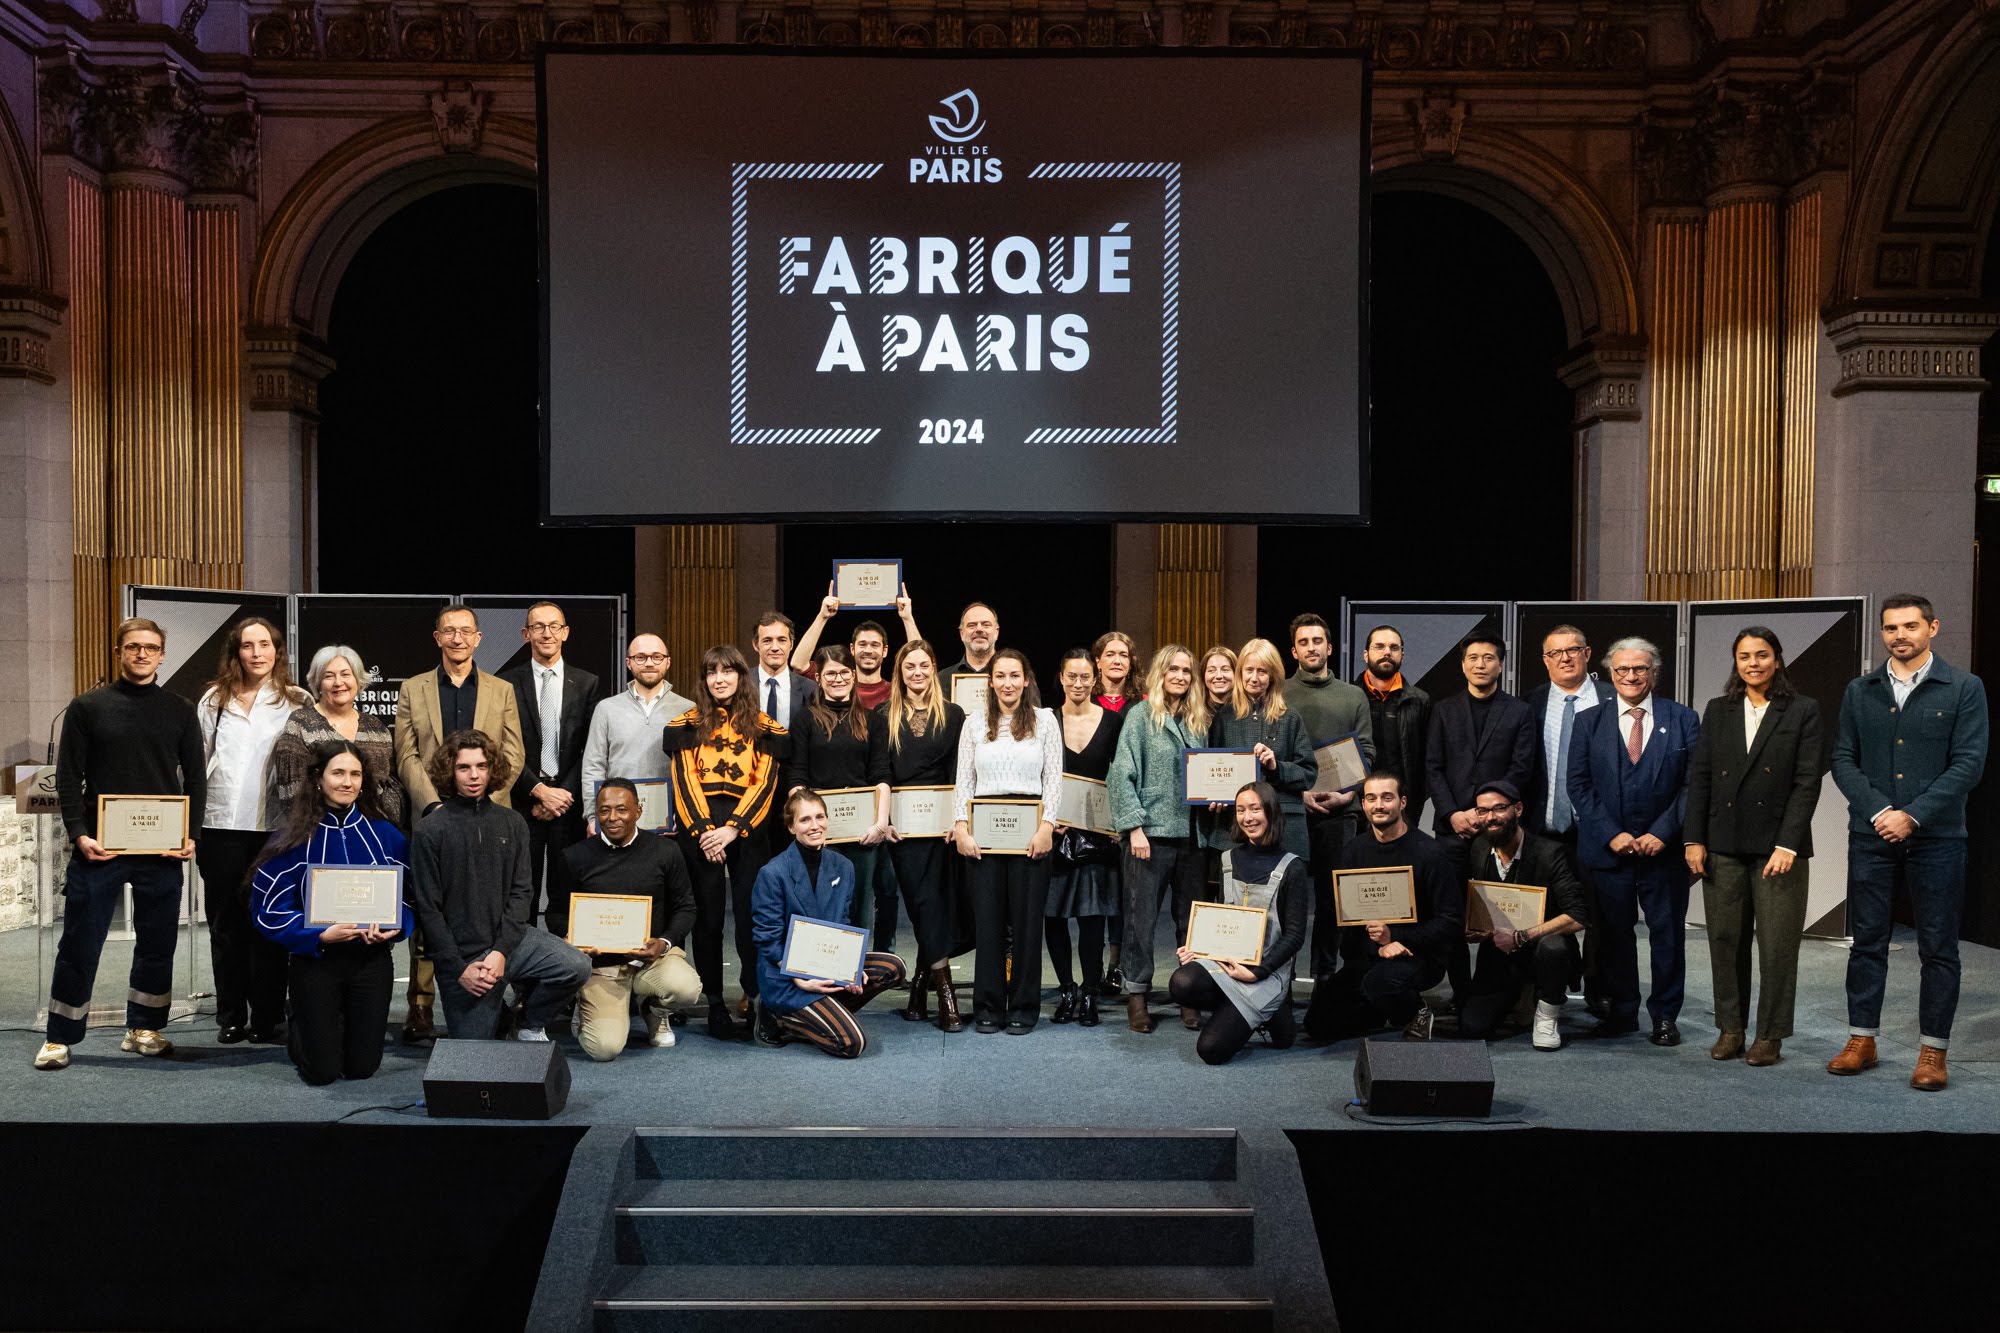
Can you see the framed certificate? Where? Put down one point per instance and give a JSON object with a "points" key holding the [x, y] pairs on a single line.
{"points": [[1085, 803], [1227, 933], [921, 812], [850, 812], [614, 923], [656, 804], [867, 585], [1388, 895], [1216, 775], [1342, 765], [824, 950], [142, 825], [354, 895], [968, 691], [1490, 903], [1004, 827]]}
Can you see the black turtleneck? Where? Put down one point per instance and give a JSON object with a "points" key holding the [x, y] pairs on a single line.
{"points": [[811, 856], [830, 762], [123, 739]]}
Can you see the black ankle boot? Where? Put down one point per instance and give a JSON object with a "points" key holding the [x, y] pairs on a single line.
{"points": [[1066, 998], [915, 1011], [1086, 1008]]}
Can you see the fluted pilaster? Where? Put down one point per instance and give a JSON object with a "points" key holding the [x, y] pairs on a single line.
{"points": [[89, 452], [1673, 406], [215, 258], [701, 597], [1801, 394], [1190, 585]]}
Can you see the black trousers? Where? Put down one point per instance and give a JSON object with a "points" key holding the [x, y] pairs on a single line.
{"points": [[923, 873], [1009, 897], [1497, 979], [720, 887], [1226, 1032], [249, 969], [1370, 992], [548, 839], [1326, 836], [340, 1008]]}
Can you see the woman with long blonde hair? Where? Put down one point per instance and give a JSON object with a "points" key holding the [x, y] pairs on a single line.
{"points": [[1258, 720], [923, 728]]}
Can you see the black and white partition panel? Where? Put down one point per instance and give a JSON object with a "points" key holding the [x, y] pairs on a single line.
{"points": [[596, 633], [390, 631], [1602, 624], [1827, 642], [197, 622], [1431, 634]]}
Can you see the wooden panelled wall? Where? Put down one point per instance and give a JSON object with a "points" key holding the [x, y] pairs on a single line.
{"points": [[1735, 324], [1188, 600], [701, 597]]}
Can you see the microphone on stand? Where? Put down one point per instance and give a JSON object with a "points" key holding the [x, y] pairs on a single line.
{"points": [[58, 717]]}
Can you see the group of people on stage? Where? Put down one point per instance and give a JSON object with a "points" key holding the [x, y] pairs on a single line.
{"points": [[499, 796]]}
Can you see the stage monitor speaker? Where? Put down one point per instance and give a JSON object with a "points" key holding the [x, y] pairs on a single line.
{"points": [[496, 1080], [1453, 1078]]}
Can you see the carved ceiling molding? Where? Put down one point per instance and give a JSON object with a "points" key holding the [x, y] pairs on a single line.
{"points": [[151, 118], [1744, 133]]}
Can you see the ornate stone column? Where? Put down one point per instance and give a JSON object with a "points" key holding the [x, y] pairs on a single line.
{"points": [[35, 546], [1673, 401], [1610, 518], [279, 540], [222, 162], [701, 596]]}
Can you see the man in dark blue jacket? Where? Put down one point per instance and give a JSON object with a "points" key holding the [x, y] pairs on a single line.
{"points": [[1911, 747], [1628, 766]]}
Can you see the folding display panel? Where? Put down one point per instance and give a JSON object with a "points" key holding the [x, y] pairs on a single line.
{"points": [[1431, 634], [1603, 624], [197, 622]]}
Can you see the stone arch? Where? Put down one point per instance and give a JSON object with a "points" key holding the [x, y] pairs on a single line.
{"points": [[23, 237], [1545, 204], [351, 191], [1930, 183]]}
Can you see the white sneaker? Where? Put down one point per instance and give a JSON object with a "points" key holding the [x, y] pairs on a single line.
{"points": [[53, 1055], [659, 1027], [531, 1034], [1547, 1038], [146, 1042]]}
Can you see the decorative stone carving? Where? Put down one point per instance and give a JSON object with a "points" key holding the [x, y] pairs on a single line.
{"points": [[286, 367], [1909, 347], [1604, 375], [28, 320], [222, 153], [1440, 118], [121, 11], [191, 18], [146, 118], [458, 114]]}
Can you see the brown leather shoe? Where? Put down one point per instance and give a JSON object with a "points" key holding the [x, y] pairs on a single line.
{"points": [[1136, 1016], [1727, 1046], [1763, 1052], [1191, 1019], [1857, 1055], [417, 1026], [1930, 1070]]}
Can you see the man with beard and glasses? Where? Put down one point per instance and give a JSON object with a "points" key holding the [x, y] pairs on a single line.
{"points": [[1546, 955]]}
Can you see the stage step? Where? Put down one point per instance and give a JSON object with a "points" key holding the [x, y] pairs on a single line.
{"points": [[935, 1154], [732, 1299], [982, 1223]]}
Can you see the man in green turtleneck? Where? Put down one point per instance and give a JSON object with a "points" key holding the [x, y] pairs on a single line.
{"points": [[1330, 708]]}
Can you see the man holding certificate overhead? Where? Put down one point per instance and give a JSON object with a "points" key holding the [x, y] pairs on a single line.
{"points": [[1524, 907], [1265, 888], [1402, 910], [813, 970], [619, 862], [131, 779]]}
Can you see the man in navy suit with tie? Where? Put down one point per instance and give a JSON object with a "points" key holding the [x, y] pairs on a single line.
{"points": [[1628, 766]]}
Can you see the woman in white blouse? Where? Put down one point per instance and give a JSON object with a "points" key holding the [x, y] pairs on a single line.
{"points": [[1015, 753], [242, 713]]}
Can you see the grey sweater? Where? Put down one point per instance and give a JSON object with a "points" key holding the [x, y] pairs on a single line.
{"points": [[625, 740], [1148, 778]]}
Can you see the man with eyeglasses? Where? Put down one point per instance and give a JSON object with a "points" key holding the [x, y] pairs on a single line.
{"points": [[127, 738], [554, 700], [626, 729], [1570, 692], [458, 696], [1628, 769]]}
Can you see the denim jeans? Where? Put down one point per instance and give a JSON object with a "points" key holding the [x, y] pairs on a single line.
{"points": [[1934, 870], [556, 970]]}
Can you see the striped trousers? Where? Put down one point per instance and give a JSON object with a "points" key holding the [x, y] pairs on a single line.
{"points": [[829, 1021]]}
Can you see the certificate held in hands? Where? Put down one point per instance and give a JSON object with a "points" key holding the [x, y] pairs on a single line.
{"points": [[142, 825], [867, 585], [1227, 933], [850, 813], [1490, 903], [354, 895], [1217, 775], [1004, 827], [1085, 803], [920, 812], [968, 691], [610, 922], [1387, 895], [824, 950], [1342, 765]]}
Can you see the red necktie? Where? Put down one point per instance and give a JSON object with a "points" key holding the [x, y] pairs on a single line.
{"points": [[1635, 739]]}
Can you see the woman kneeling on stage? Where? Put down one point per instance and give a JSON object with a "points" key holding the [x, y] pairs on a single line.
{"points": [[1256, 872], [810, 879], [341, 975]]}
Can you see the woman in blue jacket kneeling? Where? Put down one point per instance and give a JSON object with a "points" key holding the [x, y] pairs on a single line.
{"points": [[810, 879], [340, 975]]}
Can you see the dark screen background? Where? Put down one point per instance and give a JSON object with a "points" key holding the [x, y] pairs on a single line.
{"points": [[1270, 400]]}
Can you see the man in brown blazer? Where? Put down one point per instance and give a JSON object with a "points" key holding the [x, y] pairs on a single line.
{"points": [[457, 696]]}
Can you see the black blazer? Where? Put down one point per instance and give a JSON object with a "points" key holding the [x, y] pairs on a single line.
{"points": [[580, 695], [1745, 804], [1457, 765], [803, 692], [1535, 796], [1543, 862]]}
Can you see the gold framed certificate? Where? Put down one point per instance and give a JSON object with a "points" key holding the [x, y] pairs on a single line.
{"points": [[921, 812], [968, 691], [1490, 903], [1227, 933], [354, 895], [1387, 895], [824, 950], [610, 922], [1342, 765], [1004, 827], [1217, 775], [850, 812], [867, 585], [1084, 803], [142, 825]]}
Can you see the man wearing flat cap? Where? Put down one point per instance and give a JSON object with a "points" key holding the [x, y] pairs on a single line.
{"points": [[1505, 852]]}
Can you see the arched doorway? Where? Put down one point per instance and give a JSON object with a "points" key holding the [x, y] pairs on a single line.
{"points": [[1471, 467], [434, 333]]}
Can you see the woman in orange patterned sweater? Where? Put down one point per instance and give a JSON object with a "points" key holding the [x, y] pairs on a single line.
{"points": [[726, 757]]}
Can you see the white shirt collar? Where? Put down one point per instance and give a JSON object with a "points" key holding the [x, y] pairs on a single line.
{"points": [[620, 846], [554, 668], [1914, 676], [1645, 705]]}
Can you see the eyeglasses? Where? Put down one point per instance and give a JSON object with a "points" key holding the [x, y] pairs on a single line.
{"points": [[1555, 654], [645, 659], [454, 635], [546, 626], [143, 649], [1632, 671]]}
